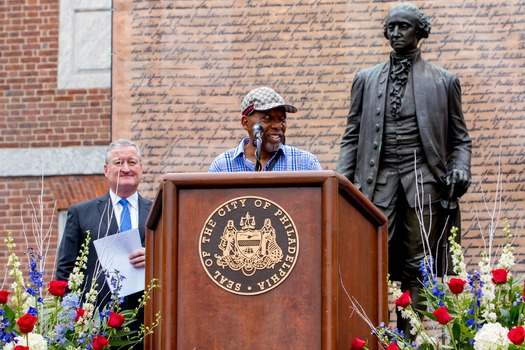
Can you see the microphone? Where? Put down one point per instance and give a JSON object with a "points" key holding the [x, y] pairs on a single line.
{"points": [[257, 131]]}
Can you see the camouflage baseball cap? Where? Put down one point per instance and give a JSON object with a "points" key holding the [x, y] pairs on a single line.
{"points": [[263, 99]]}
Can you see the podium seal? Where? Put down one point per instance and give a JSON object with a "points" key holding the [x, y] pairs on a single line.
{"points": [[249, 245]]}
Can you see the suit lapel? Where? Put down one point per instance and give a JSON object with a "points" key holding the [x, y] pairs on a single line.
{"points": [[422, 91], [105, 210]]}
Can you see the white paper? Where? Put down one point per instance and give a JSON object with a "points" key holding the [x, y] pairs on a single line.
{"points": [[113, 253]]}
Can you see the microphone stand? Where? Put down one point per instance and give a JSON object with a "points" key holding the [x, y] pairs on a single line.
{"points": [[258, 143], [257, 130]]}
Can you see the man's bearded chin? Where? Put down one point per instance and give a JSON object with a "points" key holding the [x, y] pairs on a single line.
{"points": [[271, 147]]}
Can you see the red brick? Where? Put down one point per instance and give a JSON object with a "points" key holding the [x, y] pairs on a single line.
{"points": [[34, 113], [64, 98]]}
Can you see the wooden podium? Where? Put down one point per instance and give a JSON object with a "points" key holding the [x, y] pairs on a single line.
{"points": [[294, 240]]}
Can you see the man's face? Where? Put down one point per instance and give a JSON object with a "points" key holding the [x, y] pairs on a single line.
{"points": [[402, 30], [124, 171], [273, 122]]}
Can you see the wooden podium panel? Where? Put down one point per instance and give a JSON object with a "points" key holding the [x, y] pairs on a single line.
{"points": [[337, 228]]}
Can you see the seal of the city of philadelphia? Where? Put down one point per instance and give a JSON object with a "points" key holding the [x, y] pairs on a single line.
{"points": [[249, 245]]}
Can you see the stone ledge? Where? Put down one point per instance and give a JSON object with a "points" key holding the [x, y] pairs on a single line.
{"points": [[18, 162]]}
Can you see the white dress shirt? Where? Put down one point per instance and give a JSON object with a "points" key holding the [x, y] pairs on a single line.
{"points": [[133, 205]]}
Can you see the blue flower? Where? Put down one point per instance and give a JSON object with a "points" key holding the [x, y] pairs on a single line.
{"points": [[519, 299], [475, 285], [32, 311], [34, 274], [471, 323], [5, 336], [81, 340]]}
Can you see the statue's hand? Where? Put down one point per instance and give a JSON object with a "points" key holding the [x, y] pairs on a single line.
{"points": [[457, 183]]}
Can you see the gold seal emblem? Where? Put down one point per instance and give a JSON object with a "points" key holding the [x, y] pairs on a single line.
{"points": [[249, 245]]}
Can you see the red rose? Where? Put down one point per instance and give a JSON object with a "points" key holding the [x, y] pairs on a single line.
{"points": [[3, 296], [442, 315], [57, 288], [404, 300], [516, 335], [357, 344], [21, 347], [80, 313], [99, 343], [115, 320], [456, 285], [26, 323], [499, 276], [392, 346]]}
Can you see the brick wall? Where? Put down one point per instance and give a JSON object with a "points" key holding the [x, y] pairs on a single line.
{"points": [[29, 209], [34, 114]]}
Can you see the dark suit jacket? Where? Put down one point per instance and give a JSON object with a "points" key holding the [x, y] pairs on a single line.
{"points": [[441, 124], [96, 217]]}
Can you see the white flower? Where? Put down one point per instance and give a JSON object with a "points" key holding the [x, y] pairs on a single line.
{"points": [[426, 339], [492, 336], [458, 260], [30, 301], [392, 288], [36, 342], [506, 261], [490, 316]]}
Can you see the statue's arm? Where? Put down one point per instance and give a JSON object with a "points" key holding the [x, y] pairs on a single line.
{"points": [[459, 144]]}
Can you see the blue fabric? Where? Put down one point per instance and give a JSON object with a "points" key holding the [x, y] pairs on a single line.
{"points": [[291, 159], [125, 218]]}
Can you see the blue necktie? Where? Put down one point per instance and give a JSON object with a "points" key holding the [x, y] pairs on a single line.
{"points": [[125, 218]]}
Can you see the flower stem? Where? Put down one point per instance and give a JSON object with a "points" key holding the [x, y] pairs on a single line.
{"points": [[452, 340], [498, 299], [56, 310], [39, 324]]}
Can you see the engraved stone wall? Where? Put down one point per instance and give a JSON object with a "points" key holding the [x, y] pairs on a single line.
{"points": [[181, 68]]}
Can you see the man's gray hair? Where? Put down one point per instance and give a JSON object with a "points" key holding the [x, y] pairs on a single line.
{"points": [[121, 144]]}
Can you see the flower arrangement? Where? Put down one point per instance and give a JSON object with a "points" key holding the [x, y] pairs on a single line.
{"points": [[63, 316], [481, 310]]}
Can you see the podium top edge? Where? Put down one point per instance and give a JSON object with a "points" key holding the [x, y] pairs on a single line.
{"points": [[206, 180], [270, 176]]}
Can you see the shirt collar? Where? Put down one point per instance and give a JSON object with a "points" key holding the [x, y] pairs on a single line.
{"points": [[133, 200], [411, 56], [239, 150]]}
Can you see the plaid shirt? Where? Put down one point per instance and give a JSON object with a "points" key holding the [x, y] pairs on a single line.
{"points": [[291, 159]]}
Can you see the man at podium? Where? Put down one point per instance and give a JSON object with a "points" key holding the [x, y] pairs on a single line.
{"points": [[264, 118]]}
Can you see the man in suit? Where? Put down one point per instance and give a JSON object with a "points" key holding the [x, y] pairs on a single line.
{"points": [[101, 217], [406, 145]]}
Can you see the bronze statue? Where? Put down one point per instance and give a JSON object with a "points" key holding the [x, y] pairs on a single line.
{"points": [[406, 145]]}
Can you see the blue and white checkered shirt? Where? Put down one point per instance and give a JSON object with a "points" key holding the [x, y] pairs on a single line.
{"points": [[291, 159]]}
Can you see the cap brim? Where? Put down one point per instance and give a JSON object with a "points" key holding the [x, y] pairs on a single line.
{"points": [[287, 108]]}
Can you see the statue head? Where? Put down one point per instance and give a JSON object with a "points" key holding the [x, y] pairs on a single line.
{"points": [[422, 23]]}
